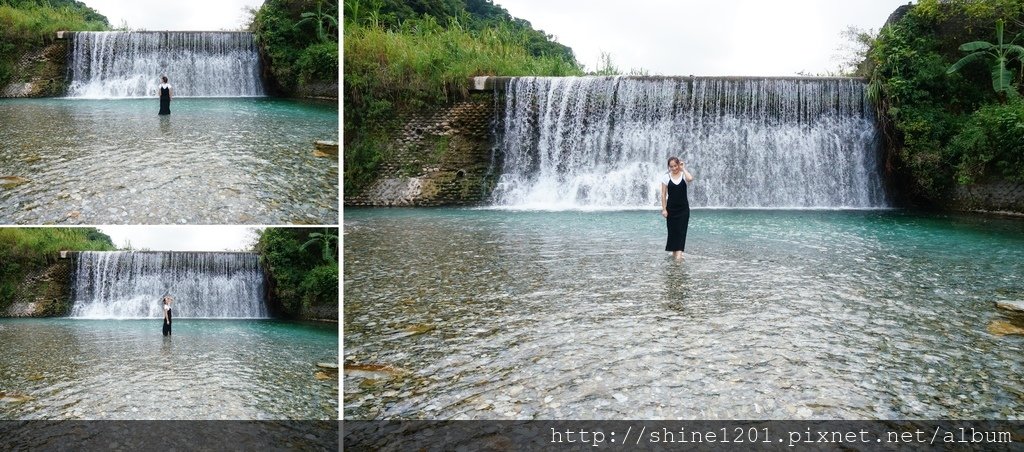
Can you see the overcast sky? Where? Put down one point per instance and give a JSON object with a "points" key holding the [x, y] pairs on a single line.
{"points": [[182, 238], [178, 15], [719, 37]]}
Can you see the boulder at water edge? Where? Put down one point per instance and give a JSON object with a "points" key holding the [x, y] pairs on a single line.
{"points": [[1003, 328], [325, 149], [1016, 306]]}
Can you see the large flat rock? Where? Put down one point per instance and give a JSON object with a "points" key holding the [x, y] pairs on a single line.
{"points": [[1017, 305]]}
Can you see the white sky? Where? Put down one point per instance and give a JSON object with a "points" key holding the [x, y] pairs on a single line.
{"points": [[182, 238], [177, 15], [709, 37]]}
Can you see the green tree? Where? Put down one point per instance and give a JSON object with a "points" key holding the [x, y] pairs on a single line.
{"points": [[1000, 53]]}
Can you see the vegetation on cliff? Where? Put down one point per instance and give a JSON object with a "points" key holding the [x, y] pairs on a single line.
{"points": [[401, 56], [28, 25], [299, 39], [949, 127], [302, 264], [28, 251]]}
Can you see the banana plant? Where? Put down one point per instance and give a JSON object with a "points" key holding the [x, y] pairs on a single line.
{"points": [[319, 18], [324, 239], [1002, 53]]}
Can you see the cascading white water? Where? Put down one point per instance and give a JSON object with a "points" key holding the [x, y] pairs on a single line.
{"points": [[130, 284], [115, 64], [603, 142]]}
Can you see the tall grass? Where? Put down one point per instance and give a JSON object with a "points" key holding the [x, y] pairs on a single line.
{"points": [[425, 62], [35, 244], [419, 65], [35, 24]]}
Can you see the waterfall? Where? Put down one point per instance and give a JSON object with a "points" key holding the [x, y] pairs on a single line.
{"points": [[603, 142], [130, 284], [114, 64]]}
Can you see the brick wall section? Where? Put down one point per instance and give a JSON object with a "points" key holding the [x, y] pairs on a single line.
{"points": [[994, 196], [438, 158]]}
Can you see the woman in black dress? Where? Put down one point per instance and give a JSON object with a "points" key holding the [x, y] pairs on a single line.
{"points": [[674, 205], [165, 97], [167, 315]]}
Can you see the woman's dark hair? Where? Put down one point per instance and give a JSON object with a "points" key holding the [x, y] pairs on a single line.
{"points": [[670, 159], [164, 78]]}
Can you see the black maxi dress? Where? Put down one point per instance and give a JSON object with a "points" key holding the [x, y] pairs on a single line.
{"points": [[165, 101], [678, 215], [167, 324]]}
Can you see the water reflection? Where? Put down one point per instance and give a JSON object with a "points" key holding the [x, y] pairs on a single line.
{"points": [[167, 346], [678, 285], [165, 125]]}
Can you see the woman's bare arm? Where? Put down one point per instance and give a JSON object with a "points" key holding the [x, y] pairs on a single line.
{"points": [[686, 173], [664, 198]]}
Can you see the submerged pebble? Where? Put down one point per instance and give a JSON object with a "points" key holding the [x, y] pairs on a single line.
{"points": [[170, 175]]}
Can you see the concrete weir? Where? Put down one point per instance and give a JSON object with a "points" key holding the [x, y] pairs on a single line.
{"points": [[126, 64]]}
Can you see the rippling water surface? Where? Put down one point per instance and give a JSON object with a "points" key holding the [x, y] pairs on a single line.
{"points": [[125, 369], [212, 161], [469, 314]]}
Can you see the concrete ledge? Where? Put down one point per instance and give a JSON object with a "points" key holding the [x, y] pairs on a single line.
{"points": [[500, 83]]}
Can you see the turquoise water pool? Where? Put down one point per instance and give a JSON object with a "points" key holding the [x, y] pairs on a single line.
{"points": [[487, 314], [207, 369]]}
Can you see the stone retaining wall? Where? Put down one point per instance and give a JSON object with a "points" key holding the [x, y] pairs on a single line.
{"points": [[45, 293], [995, 196], [40, 73], [438, 158]]}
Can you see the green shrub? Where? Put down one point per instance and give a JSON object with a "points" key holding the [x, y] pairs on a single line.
{"points": [[318, 62], [320, 286], [294, 52], [298, 274], [991, 143]]}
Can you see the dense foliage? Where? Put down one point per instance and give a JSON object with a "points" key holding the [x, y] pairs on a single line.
{"points": [[948, 128], [26, 25], [25, 251], [303, 267], [299, 39], [403, 55]]}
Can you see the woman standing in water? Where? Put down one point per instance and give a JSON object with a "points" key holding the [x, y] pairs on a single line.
{"points": [[165, 97], [167, 315], [674, 205]]}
